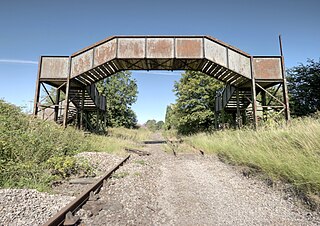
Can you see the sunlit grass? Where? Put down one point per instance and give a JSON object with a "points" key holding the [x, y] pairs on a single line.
{"points": [[289, 154], [137, 135]]}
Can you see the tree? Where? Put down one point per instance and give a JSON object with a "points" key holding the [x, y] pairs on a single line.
{"points": [[304, 88], [160, 125], [151, 125], [121, 92], [194, 109]]}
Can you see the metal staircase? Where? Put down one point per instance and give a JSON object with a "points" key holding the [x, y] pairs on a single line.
{"points": [[228, 99]]}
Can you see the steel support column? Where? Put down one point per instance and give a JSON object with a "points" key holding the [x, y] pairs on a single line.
{"points": [[216, 120], [254, 96], [238, 117], [264, 105], [56, 107], [37, 92], [284, 88], [82, 108], [66, 106]]}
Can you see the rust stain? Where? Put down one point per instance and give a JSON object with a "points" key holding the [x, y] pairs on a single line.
{"points": [[131, 48], [81, 63], [54, 67], [105, 52], [268, 68], [189, 48], [160, 48]]}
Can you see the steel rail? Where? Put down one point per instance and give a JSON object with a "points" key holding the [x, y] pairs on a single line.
{"points": [[76, 204]]}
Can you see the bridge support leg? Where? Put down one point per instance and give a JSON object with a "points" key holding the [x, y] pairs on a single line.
{"points": [[264, 105], [238, 117], [82, 109], [56, 107], [66, 106], [254, 96], [222, 119], [98, 120], [37, 93], [216, 120], [284, 87]]}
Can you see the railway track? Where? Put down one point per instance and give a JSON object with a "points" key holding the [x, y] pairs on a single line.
{"points": [[66, 215]]}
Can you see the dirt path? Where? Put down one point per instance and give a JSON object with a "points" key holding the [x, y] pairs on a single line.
{"points": [[202, 191], [191, 189]]}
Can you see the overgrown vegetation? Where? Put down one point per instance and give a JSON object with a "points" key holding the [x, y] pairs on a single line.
{"points": [[194, 110], [304, 88], [136, 135], [34, 152], [289, 154], [153, 125], [121, 92]]}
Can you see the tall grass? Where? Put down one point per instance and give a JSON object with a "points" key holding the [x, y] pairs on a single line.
{"points": [[290, 154], [136, 135], [30, 149]]}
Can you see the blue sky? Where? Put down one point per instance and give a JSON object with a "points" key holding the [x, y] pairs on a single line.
{"points": [[33, 28]]}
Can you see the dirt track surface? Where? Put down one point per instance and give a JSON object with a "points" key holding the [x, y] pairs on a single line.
{"points": [[191, 189]]}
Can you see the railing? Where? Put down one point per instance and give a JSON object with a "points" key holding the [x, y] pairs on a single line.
{"points": [[223, 98], [99, 100]]}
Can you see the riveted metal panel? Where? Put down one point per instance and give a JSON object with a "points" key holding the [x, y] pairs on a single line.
{"points": [[55, 67], [160, 48], [267, 68], [81, 63], [131, 48], [189, 48], [105, 52], [215, 52], [239, 63]]}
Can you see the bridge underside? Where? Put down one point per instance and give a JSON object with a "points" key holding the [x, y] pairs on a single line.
{"points": [[246, 76]]}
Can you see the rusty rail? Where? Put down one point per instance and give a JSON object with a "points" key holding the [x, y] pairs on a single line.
{"points": [[76, 204]]}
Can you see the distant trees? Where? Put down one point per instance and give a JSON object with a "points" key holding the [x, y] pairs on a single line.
{"points": [[194, 110], [304, 88], [121, 92], [153, 125]]}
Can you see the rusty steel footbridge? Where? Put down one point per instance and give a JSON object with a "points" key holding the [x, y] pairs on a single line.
{"points": [[245, 76]]}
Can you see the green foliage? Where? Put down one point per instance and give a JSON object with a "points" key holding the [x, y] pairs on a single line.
{"points": [[65, 166], [153, 125], [121, 92], [120, 175], [124, 134], [53, 94], [194, 110], [290, 154], [304, 88], [33, 152]]}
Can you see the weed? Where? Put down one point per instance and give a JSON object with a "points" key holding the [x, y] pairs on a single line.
{"points": [[120, 175], [141, 162]]}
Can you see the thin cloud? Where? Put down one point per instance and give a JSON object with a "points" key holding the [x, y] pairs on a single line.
{"points": [[11, 61]]}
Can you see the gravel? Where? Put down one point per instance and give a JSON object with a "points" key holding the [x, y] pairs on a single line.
{"points": [[28, 206]]}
